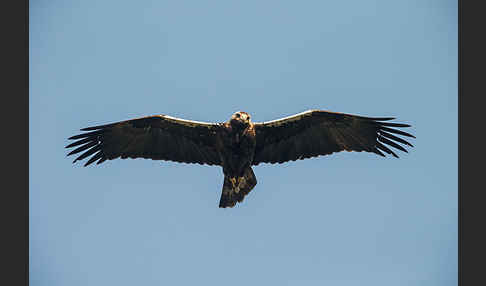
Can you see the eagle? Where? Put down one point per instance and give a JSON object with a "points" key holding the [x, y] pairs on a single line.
{"points": [[239, 144]]}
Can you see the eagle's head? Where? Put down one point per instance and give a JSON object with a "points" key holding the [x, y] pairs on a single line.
{"points": [[240, 119]]}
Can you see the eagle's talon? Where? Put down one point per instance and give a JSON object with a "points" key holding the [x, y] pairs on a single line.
{"points": [[233, 182]]}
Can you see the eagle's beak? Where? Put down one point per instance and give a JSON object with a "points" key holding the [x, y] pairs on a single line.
{"points": [[236, 121]]}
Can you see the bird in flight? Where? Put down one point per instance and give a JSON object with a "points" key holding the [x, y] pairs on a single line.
{"points": [[239, 144]]}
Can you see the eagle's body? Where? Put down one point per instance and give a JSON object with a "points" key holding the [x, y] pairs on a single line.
{"points": [[238, 144], [237, 147]]}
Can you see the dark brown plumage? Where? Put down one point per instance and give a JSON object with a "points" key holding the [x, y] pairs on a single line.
{"points": [[238, 144]]}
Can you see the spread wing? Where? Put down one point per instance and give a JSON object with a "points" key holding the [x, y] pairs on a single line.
{"points": [[159, 137], [317, 132]]}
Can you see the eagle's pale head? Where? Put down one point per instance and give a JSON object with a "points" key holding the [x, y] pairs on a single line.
{"points": [[240, 119]]}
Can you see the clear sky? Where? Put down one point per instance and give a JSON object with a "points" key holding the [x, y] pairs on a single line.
{"points": [[344, 219]]}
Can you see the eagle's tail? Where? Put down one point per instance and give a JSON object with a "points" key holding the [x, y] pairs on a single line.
{"points": [[235, 189]]}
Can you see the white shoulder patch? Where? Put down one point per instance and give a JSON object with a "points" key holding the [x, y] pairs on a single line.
{"points": [[190, 123], [283, 120]]}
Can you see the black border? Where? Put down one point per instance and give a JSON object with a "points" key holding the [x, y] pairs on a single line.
{"points": [[15, 47], [471, 89], [460, 276], [15, 144]]}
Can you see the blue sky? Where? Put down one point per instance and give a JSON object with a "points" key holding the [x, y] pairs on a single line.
{"points": [[344, 219]]}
